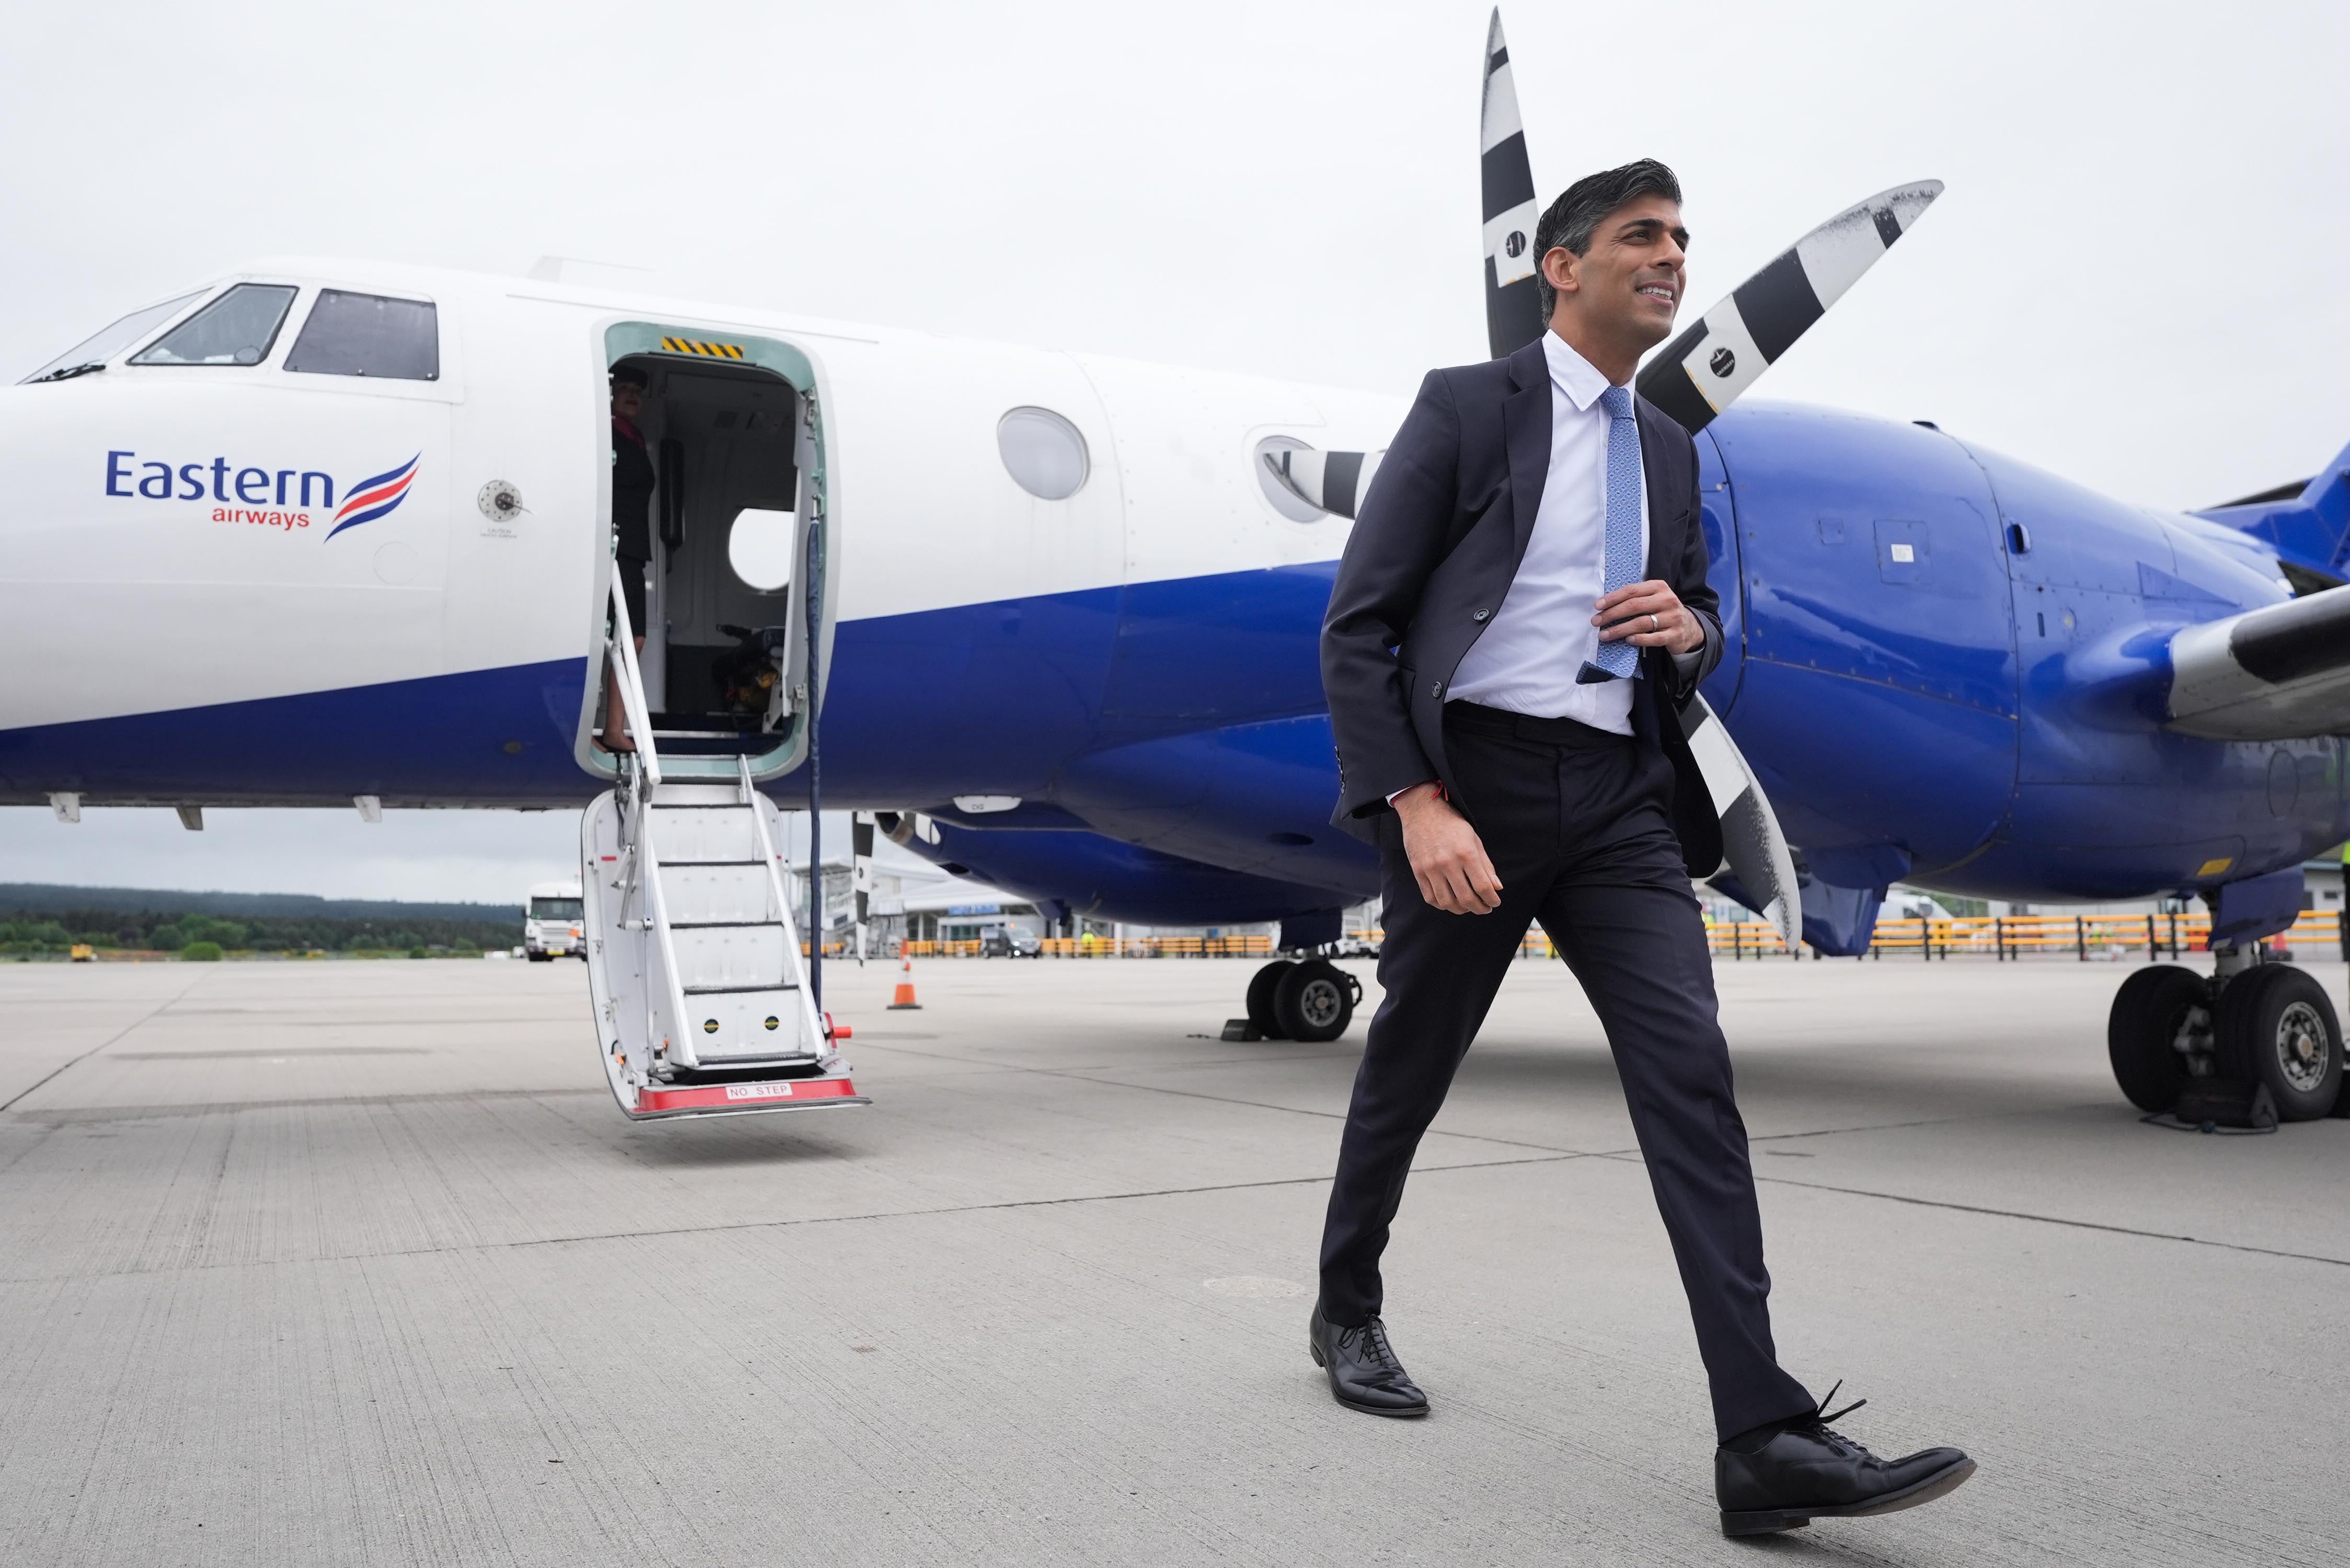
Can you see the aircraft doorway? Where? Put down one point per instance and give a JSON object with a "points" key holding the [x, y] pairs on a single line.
{"points": [[727, 437]]}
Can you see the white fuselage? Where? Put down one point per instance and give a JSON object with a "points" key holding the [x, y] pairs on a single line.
{"points": [[171, 546]]}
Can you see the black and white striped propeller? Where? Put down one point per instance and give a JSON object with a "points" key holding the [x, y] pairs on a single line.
{"points": [[1334, 482], [1698, 374], [1513, 311], [1703, 370]]}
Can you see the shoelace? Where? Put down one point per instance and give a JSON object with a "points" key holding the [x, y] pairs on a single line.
{"points": [[1373, 1337], [1822, 1416]]}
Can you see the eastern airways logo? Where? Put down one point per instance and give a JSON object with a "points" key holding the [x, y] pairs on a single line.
{"points": [[371, 498], [272, 498]]}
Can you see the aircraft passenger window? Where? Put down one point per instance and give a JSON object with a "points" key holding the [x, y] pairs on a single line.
{"points": [[367, 335], [1044, 453], [237, 329], [97, 349]]}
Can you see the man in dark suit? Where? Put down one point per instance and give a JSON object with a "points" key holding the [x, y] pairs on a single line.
{"points": [[1521, 607]]}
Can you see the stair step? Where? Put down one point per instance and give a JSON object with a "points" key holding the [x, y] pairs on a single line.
{"points": [[721, 893], [729, 958], [742, 1026], [705, 835], [737, 990]]}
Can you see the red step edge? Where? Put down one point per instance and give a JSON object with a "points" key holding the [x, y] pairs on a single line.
{"points": [[781, 1093]]}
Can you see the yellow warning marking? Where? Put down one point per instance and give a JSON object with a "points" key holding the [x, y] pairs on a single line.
{"points": [[708, 350], [2213, 867]]}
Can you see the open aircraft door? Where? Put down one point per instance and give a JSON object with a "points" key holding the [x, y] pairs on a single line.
{"points": [[705, 1002]]}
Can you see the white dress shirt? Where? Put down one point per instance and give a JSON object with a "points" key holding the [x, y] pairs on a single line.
{"points": [[1529, 654]]}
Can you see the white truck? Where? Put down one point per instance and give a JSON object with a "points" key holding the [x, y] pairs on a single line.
{"points": [[550, 922]]}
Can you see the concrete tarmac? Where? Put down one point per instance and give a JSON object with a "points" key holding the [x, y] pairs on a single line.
{"points": [[357, 1263]]}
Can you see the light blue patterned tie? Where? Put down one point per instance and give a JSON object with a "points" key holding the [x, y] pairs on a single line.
{"points": [[1620, 659]]}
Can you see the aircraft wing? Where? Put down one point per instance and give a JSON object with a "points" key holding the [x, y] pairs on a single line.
{"points": [[2280, 672]]}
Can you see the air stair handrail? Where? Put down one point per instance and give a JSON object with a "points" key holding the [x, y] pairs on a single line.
{"points": [[796, 966], [622, 648]]}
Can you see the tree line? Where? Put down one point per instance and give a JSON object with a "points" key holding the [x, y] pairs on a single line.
{"points": [[33, 933]]}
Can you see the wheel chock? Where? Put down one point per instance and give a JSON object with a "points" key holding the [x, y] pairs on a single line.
{"points": [[2227, 1103], [1242, 1029]]}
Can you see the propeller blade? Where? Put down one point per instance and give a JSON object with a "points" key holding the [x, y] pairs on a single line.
{"points": [[1334, 481], [1707, 367], [1753, 851], [1512, 318]]}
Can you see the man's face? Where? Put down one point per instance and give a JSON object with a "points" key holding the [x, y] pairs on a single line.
{"points": [[1631, 281], [627, 399]]}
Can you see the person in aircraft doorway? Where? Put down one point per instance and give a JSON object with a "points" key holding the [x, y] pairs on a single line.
{"points": [[1522, 604], [632, 494]]}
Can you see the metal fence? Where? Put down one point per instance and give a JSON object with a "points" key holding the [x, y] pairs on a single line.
{"points": [[2318, 933], [1106, 948]]}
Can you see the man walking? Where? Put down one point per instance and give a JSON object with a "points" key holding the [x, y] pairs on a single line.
{"points": [[1522, 605]]}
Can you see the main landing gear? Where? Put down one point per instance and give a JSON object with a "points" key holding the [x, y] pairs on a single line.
{"points": [[1289, 998], [2265, 1025]]}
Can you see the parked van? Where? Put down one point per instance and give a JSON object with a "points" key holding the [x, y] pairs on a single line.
{"points": [[550, 922], [1010, 941]]}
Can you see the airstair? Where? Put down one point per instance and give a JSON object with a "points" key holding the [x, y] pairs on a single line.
{"points": [[701, 994]]}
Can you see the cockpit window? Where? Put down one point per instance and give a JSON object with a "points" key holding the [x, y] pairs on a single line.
{"points": [[368, 335], [93, 351], [237, 329]]}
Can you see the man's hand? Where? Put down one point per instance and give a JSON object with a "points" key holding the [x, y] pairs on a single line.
{"points": [[1448, 859], [1647, 615]]}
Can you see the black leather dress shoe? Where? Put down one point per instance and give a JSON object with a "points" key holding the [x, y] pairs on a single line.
{"points": [[1808, 1471], [1364, 1371]]}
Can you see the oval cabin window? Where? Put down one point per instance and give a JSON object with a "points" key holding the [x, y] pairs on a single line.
{"points": [[1044, 453]]}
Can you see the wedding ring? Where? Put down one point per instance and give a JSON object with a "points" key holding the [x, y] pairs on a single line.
{"points": [[1654, 625]]}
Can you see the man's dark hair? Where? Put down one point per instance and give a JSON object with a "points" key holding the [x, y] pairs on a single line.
{"points": [[629, 376], [1574, 218]]}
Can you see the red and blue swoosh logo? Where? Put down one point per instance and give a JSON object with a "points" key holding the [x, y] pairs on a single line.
{"points": [[371, 498]]}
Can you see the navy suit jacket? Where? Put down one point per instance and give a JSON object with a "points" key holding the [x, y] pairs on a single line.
{"points": [[1434, 551]]}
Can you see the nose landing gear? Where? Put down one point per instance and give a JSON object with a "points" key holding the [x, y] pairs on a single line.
{"points": [[2269, 1024], [1313, 1000]]}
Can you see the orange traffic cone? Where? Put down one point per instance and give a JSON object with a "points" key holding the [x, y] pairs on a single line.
{"points": [[904, 996]]}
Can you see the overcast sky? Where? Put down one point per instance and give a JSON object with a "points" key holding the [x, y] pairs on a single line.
{"points": [[2136, 278]]}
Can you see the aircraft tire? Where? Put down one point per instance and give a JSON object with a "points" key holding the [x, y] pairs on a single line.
{"points": [[2151, 1007], [1316, 1001], [1261, 989], [2277, 1027]]}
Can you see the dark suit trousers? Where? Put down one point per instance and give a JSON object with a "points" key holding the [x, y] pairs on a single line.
{"points": [[1579, 827]]}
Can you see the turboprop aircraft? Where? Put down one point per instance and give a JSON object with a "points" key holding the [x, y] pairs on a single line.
{"points": [[328, 533]]}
